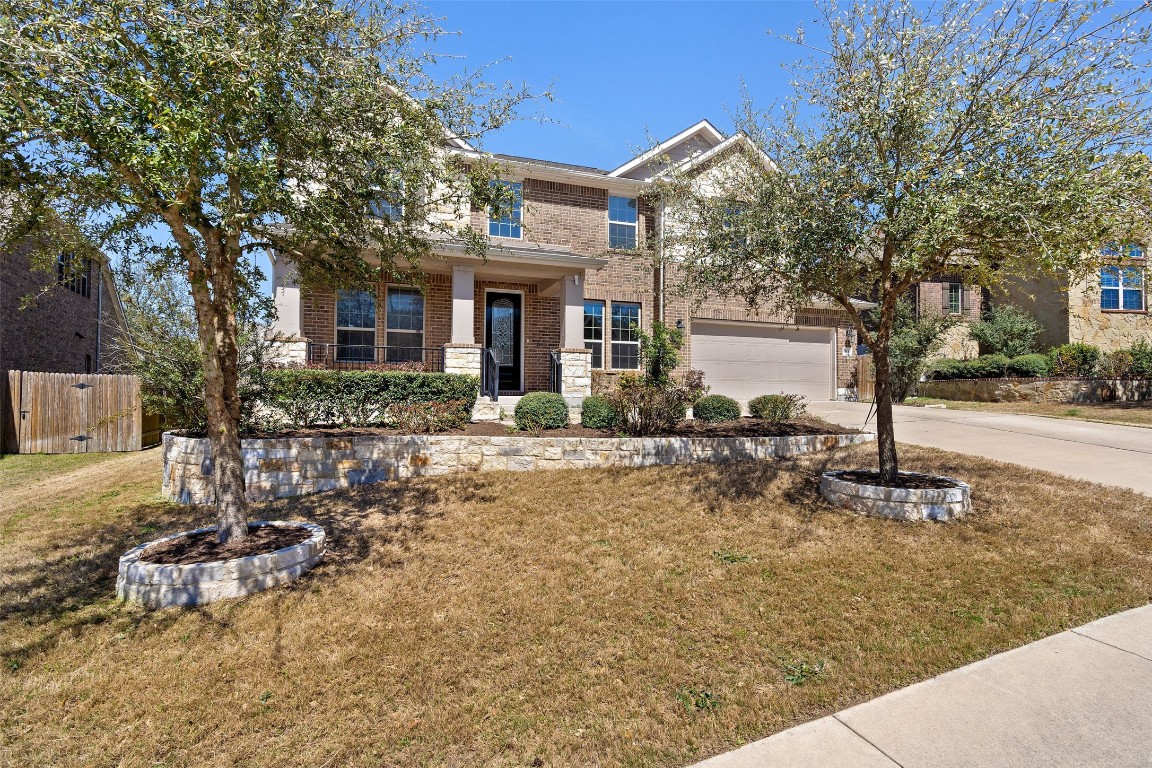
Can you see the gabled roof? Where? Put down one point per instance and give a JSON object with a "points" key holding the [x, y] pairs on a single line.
{"points": [[702, 130], [732, 141], [551, 164]]}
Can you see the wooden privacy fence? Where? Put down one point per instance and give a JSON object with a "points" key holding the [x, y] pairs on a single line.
{"points": [[74, 413], [865, 379]]}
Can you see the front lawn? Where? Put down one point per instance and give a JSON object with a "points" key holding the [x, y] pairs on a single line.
{"points": [[644, 617], [1138, 414]]}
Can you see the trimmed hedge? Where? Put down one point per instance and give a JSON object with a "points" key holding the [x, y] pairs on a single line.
{"points": [[716, 408], [307, 397], [538, 411], [597, 412], [1034, 366], [778, 408], [1074, 359]]}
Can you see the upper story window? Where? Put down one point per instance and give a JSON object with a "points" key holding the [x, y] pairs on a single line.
{"points": [[508, 225], [622, 222], [73, 273], [383, 208], [404, 319], [1125, 251], [1122, 288], [955, 298], [594, 331], [355, 326], [625, 336]]}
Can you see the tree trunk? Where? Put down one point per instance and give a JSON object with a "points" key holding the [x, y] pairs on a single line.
{"points": [[885, 432]]}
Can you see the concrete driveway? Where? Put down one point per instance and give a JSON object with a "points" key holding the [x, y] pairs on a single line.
{"points": [[1101, 453]]}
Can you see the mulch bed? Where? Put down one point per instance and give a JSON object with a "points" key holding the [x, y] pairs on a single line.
{"points": [[203, 547], [910, 482], [745, 427]]}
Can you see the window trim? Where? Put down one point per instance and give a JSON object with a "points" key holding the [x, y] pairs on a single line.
{"points": [[1141, 291], [339, 357], [959, 299], [635, 225], [587, 341], [609, 360], [516, 217], [423, 317]]}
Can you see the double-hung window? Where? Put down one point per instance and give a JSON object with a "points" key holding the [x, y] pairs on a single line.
{"points": [[594, 331], [622, 222], [955, 298], [509, 224], [355, 326], [625, 336], [404, 319], [73, 273], [1122, 288]]}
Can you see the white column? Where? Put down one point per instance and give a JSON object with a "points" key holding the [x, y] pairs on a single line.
{"points": [[572, 325], [463, 305], [286, 294]]}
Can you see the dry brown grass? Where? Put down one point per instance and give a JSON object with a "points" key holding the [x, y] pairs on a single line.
{"points": [[1136, 414], [537, 619]]}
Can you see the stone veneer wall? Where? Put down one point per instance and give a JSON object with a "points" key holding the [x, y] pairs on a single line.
{"points": [[1039, 390], [282, 467]]}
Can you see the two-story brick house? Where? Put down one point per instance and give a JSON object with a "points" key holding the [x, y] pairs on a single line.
{"points": [[570, 275]]}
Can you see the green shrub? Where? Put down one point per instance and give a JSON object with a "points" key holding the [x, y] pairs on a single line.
{"points": [[308, 397], [914, 341], [596, 412], [716, 408], [778, 408], [986, 367], [538, 411], [1074, 359], [1115, 365], [1030, 366], [646, 407], [1006, 330], [1141, 353], [422, 418]]}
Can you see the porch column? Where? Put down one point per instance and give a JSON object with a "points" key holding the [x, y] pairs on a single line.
{"points": [[463, 305], [572, 323], [286, 333]]}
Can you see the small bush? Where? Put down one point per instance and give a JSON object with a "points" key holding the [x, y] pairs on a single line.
{"points": [[538, 411], [1115, 365], [778, 408], [597, 412], [1030, 366], [646, 407], [1006, 330], [1074, 359], [986, 367], [716, 408], [1141, 353], [422, 418]]}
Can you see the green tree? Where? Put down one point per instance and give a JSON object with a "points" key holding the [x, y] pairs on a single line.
{"points": [[963, 138], [236, 126], [1006, 330], [914, 340]]}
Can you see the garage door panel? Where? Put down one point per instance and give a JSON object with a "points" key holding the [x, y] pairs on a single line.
{"points": [[751, 359]]}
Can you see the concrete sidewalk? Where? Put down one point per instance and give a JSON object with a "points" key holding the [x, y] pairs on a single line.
{"points": [[1103, 453], [1080, 698]]}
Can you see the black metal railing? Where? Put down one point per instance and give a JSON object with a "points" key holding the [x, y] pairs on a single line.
{"points": [[489, 375], [365, 357], [555, 373]]}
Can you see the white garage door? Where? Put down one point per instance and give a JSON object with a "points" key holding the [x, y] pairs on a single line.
{"points": [[744, 360]]}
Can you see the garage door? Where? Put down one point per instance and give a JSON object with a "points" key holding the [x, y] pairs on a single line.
{"points": [[744, 360]]}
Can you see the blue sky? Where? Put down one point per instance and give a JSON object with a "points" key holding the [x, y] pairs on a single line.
{"points": [[622, 70]]}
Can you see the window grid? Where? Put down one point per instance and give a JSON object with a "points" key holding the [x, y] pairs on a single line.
{"points": [[955, 298], [622, 219], [355, 326], [75, 279], [404, 323], [1122, 289], [594, 331], [625, 336], [509, 225]]}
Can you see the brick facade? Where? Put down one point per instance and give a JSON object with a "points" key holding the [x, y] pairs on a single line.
{"points": [[58, 331]]}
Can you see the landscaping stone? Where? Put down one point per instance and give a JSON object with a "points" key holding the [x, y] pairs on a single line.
{"points": [[1039, 390], [157, 585], [911, 504], [378, 458]]}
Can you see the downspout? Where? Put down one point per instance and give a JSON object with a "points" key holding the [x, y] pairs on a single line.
{"points": [[99, 314], [660, 260]]}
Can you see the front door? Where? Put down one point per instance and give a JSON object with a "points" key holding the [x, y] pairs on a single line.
{"points": [[503, 336]]}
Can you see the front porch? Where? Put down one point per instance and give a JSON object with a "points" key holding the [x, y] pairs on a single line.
{"points": [[515, 320]]}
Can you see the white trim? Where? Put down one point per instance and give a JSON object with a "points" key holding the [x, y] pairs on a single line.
{"points": [[523, 340], [519, 225], [608, 342], [423, 314], [702, 126], [527, 169]]}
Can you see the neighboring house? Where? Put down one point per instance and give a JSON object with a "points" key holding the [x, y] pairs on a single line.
{"points": [[561, 293], [71, 322], [949, 296], [1108, 310]]}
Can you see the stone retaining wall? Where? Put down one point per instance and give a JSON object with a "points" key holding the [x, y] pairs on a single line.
{"points": [[1039, 390], [281, 467]]}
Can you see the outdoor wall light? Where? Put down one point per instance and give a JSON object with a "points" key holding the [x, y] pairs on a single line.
{"points": [[679, 323]]}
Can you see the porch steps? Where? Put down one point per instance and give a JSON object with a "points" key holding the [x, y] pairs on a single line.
{"points": [[486, 410]]}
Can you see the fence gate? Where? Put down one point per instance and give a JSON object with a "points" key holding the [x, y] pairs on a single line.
{"points": [[865, 379], [71, 413]]}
